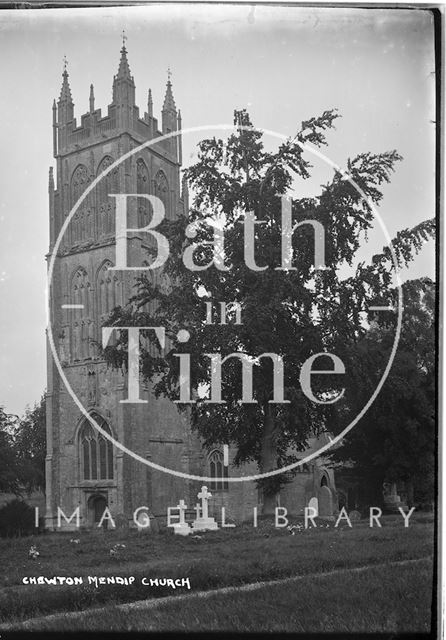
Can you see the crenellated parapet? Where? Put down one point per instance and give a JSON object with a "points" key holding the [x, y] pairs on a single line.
{"points": [[84, 147], [123, 115]]}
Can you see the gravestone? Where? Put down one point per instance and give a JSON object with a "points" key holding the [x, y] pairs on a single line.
{"points": [[315, 504], [392, 501], [325, 502], [203, 522], [143, 521], [146, 522], [181, 527]]}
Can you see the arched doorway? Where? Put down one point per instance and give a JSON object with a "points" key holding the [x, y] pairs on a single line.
{"points": [[96, 508]]}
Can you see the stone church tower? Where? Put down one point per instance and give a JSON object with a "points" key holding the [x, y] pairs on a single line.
{"points": [[83, 469]]}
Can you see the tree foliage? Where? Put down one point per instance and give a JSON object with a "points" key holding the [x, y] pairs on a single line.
{"points": [[396, 437], [23, 450], [30, 447], [9, 481], [17, 519], [293, 313]]}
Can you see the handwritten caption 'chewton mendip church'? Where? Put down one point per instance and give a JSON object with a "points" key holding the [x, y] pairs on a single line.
{"points": [[97, 581], [219, 262]]}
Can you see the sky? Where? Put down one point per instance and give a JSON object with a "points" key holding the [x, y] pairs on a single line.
{"points": [[283, 64]]}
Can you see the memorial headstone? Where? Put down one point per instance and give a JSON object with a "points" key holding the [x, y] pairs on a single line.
{"points": [[142, 521], [203, 522], [325, 502], [315, 504], [181, 527], [392, 501]]}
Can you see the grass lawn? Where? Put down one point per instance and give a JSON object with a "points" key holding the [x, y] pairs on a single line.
{"points": [[386, 598], [392, 599]]}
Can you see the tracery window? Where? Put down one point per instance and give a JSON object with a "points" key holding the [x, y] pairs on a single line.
{"points": [[82, 323], [162, 191], [81, 224], [150, 306], [109, 294], [79, 182], [95, 451], [104, 204], [218, 471], [109, 290], [142, 186], [148, 340]]}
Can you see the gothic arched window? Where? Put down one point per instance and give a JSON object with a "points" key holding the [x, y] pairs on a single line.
{"points": [[162, 191], [108, 295], [95, 451], [151, 305], [82, 324], [218, 471], [149, 341], [79, 182], [142, 186], [81, 223], [109, 290], [105, 206]]}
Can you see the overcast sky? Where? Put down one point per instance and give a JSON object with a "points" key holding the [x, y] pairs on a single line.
{"points": [[283, 64]]}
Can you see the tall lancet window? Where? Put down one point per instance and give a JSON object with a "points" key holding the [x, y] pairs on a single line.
{"points": [[81, 224], [105, 205], [218, 471], [82, 324], [108, 291], [95, 451], [149, 341], [142, 186], [162, 191]]}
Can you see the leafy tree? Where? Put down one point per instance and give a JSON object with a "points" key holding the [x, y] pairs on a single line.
{"points": [[8, 460], [30, 447], [294, 313], [396, 438], [17, 519]]}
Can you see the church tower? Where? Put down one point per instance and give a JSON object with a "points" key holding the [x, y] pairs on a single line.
{"points": [[85, 472], [84, 469]]}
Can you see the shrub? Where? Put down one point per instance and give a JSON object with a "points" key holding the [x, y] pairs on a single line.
{"points": [[17, 519]]}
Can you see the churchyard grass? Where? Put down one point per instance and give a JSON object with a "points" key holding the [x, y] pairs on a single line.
{"points": [[224, 558], [392, 599]]}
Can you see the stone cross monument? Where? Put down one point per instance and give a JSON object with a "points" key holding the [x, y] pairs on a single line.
{"points": [[203, 521]]}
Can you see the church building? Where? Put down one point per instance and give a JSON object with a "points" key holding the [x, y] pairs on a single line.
{"points": [[83, 468]]}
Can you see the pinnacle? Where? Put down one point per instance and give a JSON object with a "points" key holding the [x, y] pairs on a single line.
{"points": [[65, 92], [124, 69], [169, 102], [91, 98]]}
